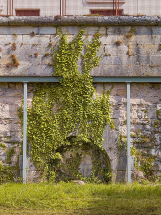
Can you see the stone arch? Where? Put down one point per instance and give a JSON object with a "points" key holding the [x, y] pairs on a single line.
{"points": [[84, 160]]}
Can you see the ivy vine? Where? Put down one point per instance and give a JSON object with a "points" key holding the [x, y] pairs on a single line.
{"points": [[70, 108]]}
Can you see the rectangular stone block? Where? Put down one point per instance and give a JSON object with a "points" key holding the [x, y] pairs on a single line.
{"points": [[143, 30], [123, 30], [40, 70], [141, 59], [111, 39], [94, 30], [155, 60], [70, 30], [114, 50], [20, 30], [10, 39], [37, 39], [47, 30]]}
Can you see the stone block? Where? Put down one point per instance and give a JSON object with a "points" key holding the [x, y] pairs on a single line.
{"points": [[145, 49], [155, 60], [146, 39], [20, 30], [121, 176], [114, 50], [7, 39], [40, 70], [37, 39], [94, 30], [108, 40], [144, 30], [123, 30], [141, 59], [156, 30], [47, 30], [155, 39], [122, 163], [122, 60], [70, 30]]}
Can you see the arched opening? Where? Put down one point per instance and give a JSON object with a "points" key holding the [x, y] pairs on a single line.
{"points": [[83, 161]]}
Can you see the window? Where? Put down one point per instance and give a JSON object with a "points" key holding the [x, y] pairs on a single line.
{"points": [[104, 1], [107, 12], [27, 12]]}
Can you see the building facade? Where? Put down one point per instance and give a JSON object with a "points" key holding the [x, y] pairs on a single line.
{"points": [[80, 7]]}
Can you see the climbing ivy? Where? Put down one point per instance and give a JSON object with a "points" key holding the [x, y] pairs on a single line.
{"points": [[68, 108]]}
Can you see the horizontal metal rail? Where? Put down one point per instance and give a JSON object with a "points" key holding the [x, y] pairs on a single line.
{"points": [[95, 79]]}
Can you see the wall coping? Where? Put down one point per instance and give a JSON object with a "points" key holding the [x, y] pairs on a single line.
{"points": [[80, 21]]}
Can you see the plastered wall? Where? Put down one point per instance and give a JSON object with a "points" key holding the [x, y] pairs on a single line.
{"points": [[81, 7]]}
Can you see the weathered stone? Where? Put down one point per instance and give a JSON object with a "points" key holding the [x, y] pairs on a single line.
{"points": [[78, 182], [123, 55]]}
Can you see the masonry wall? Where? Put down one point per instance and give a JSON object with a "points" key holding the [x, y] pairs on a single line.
{"points": [[126, 50]]}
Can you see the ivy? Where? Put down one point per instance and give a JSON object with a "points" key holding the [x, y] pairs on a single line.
{"points": [[68, 108]]}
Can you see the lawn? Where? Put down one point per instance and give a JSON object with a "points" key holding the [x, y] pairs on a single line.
{"points": [[69, 198]]}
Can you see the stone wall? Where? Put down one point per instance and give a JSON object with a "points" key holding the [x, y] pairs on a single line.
{"points": [[130, 47]]}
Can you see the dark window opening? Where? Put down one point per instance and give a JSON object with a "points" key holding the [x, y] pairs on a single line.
{"points": [[27, 12], [107, 12]]}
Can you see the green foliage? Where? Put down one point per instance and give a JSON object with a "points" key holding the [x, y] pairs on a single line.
{"points": [[143, 163], [6, 174], [10, 152], [2, 146], [69, 108], [130, 33]]}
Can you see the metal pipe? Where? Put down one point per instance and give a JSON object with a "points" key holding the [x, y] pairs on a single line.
{"points": [[60, 8], [12, 7], [63, 7], [7, 7], [128, 135], [116, 7], [113, 7], [24, 132], [95, 79]]}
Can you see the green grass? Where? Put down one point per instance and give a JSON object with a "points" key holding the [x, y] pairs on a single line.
{"points": [[69, 198]]}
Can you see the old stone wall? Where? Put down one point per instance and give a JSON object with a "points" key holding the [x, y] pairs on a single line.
{"points": [[130, 47]]}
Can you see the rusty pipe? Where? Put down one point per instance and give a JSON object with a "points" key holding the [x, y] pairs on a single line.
{"points": [[116, 7], [63, 7], [60, 7], [113, 7], [12, 8], [7, 7]]}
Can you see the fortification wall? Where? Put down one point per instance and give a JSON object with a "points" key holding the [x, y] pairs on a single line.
{"points": [[131, 47]]}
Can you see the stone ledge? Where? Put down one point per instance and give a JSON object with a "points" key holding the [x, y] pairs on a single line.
{"points": [[80, 21]]}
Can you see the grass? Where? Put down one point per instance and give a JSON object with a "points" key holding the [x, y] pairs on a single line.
{"points": [[69, 198]]}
